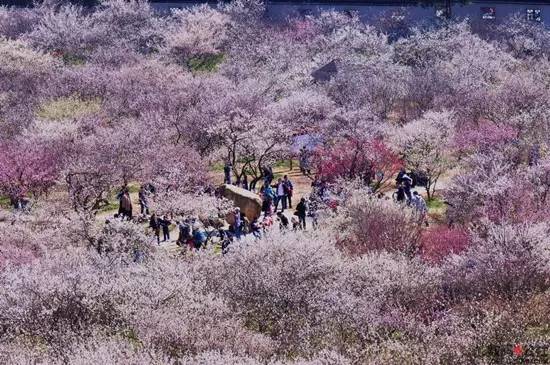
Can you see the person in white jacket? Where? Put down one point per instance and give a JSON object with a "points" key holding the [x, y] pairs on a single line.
{"points": [[419, 205]]}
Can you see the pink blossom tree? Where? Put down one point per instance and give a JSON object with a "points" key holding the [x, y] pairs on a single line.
{"points": [[27, 168], [369, 160]]}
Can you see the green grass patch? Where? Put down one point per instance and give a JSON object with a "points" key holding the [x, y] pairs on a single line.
{"points": [[205, 63], [217, 249], [437, 208], [436, 204], [68, 108], [217, 167], [73, 60], [133, 188], [112, 206], [5, 202], [285, 164]]}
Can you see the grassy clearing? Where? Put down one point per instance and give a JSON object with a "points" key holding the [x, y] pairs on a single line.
{"points": [[285, 164], [5, 202], [68, 108], [112, 206], [205, 63], [437, 208], [217, 167]]}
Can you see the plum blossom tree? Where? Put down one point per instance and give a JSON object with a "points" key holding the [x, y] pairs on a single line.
{"points": [[24, 74], [506, 261], [524, 39], [64, 31], [369, 223], [495, 190], [197, 31], [16, 21], [183, 187], [369, 160], [69, 31], [27, 168], [243, 131], [378, 83], [423, 145], [482, 137], [251, 142], [89, 175]]}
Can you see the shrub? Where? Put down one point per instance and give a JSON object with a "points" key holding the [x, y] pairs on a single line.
{"points": [[507, 261], [125, 241], [441, 241], [278, 286], [368, 223]]}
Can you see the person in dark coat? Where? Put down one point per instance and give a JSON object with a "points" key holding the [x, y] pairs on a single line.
{"points": [[256, 229], [165, 225], [283, 221], [227, 173], [400, 176], [301, 210], [143, 200], [184, 233], [237, 223], [245, 182], [400, 195], [154, 224], [289, 188], [125, 206], [407, 185]]}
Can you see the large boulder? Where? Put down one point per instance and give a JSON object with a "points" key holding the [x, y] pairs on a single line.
{"points": [[249, 203]]}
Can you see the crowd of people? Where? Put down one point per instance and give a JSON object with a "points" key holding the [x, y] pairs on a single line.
{"points": [[277, 197], [195, 234]]}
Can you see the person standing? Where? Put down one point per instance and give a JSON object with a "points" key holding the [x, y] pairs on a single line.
{"points": [[154, 224], [268, 175], [225, 240], [227, 172], [165, 224], [199, 236], [398, 179], [407, 185], [419, 204], [245, 182], [268, 198], [400, 194], [143, 200], [281, 197], [313, 208], [184, 233], [289, 188], [125, 207], [302, 160], [237, 223], [301, 210]]}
